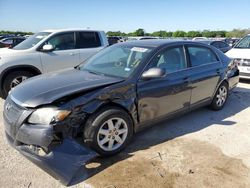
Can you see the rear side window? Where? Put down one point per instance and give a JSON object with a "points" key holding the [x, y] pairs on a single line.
{"points": [[200, 56], [223, 45], [88, 40]]}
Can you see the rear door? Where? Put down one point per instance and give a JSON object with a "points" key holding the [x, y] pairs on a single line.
{"points": [[160, 97], [88, 43], [205, 71], [64, 55]]}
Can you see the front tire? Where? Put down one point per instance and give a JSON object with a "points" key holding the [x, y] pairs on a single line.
{"points": [[108, 131], [220, 97], [13, 79]]}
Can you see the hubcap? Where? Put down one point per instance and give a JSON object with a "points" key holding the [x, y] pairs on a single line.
{"points": [[221, 96], [112, 134], [17, 81]]}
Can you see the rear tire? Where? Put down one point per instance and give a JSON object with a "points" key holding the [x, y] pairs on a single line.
{"points": [[220, 97], [13, 79], [108, 131]]}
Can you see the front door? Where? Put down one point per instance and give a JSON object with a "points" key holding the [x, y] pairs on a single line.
{"points": [[64, 55], [160, 97]]}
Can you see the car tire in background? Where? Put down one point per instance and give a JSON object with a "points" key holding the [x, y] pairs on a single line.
{"points": [[108, 131], [220, 97], [13, 79]]}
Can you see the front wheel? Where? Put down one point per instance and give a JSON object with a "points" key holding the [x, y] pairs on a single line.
{"points": [[109, 131], [220, 97]]}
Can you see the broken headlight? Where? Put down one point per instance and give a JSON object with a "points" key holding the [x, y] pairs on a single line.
{"points": [[48, 115]]}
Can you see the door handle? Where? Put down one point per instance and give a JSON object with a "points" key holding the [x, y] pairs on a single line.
{"points": [[72, 54]]}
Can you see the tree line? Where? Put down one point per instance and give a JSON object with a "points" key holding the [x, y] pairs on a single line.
{"points": [[16, 32], [238, 33]]}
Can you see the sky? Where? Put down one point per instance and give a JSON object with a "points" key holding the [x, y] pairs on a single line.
{"points": [[124, 15]]}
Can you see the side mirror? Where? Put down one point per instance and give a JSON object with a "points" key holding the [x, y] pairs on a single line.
{"points": [[47, 48], [153, 73]]}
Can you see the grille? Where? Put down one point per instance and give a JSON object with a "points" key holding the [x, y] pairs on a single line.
{"points": [[12, 111], [245, 64], [244, 74]]}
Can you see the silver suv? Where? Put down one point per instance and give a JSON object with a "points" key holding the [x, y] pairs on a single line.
{"points": [[47, 51]]}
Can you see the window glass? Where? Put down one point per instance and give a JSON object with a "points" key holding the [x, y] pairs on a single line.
{"points": [[31, 41], [88, 40], [216, 44], [118, 61], [200, 56], [222, 45], [62, 41], [170, 59], [244, 43]]}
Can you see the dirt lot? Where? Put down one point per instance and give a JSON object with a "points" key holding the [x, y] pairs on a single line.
{"points": [[200, 149]]}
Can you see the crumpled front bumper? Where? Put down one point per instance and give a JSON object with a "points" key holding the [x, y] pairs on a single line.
{"points": [[62, 162]]}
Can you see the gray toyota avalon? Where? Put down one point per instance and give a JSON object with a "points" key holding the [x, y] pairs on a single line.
{"points": [[70, 116]]}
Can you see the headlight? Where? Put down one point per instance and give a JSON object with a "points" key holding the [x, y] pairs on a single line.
{"points": [[48, 115]]}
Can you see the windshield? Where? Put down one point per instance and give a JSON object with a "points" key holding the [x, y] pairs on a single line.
{"points": [[31, 41], [244, 43], [119, 61]]}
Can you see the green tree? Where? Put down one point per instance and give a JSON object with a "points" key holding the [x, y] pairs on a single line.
{"points": [[179, 33], [115, 33], [139, 32], [193, 34]]}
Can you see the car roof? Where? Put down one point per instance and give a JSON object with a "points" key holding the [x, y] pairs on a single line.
{"points": [[157, 42], [69, 29]]}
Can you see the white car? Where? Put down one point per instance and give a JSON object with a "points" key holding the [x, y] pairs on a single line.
{"points": [[47, 51], [241, 55]]}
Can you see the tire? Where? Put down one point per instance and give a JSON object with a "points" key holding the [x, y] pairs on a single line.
{"points": [[99, 133], [220, 97], [8, 82]]}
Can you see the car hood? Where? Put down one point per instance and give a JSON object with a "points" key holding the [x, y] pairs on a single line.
{"points": [[239, 53], [6, 52], [46, 88]]}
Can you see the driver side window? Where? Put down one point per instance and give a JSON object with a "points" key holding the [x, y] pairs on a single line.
{"points": [[63, 41], [171, 60]]}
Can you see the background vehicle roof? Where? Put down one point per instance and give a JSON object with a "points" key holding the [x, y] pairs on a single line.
{"points": [[69, 29]]}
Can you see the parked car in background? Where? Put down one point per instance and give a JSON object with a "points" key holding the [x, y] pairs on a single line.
{"points": [[11, 42], [47, 51], [115, 93], [142, 38], [224, 47], [200, 38], [232, 41], [115, 39], [241, 55]]}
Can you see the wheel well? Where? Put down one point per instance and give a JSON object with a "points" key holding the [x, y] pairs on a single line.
{"points": [[115, 105], [225, 81], [30, 69]]}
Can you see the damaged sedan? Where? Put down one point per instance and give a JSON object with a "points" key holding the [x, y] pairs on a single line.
{"points": [[71, 116]]}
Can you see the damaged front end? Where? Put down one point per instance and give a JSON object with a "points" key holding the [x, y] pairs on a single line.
{"points": [[52, 147]]}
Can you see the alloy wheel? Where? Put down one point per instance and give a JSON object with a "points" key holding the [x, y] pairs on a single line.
{"points": [[112, 134], [17, 81], [221, 96]]}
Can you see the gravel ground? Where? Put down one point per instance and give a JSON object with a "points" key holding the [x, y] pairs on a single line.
{"points": [[200, 149]]}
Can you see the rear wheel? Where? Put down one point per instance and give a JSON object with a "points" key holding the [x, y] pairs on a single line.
{"points": [[13, 79], [220, 97], [108, 131]]}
